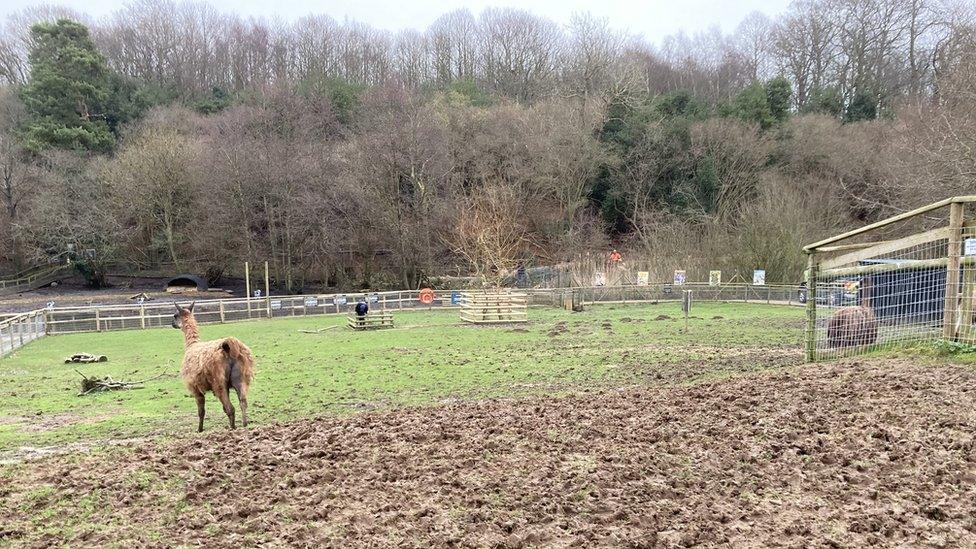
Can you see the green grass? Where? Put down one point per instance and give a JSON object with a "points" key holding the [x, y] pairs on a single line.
{"points": [[429, 357]]}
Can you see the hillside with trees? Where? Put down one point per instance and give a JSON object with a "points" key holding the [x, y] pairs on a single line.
{"points": [[171, 136]]}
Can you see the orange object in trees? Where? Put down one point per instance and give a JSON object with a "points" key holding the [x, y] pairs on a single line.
{"points": [[426, 296]]}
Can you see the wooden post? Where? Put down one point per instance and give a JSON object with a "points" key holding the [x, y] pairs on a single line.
{"points": [[267, 289], [956, 210], [98, 322], [811, 331], [221, 311], [142, 315], [247, 285], [400, 300]]}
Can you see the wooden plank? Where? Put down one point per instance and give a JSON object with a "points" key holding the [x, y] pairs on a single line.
{"points": [[956, 212], [906, 265], [885, 248], [847, 247], [890, 220]]}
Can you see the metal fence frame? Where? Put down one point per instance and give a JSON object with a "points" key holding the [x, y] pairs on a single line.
{"points": [[19, 330]]}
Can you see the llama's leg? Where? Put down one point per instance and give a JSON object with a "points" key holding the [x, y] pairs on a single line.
{"points": [[228, 407], [200, 411], [235, 381], [242, 399]]}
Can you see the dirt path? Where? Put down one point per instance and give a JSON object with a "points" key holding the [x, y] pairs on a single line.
{"points": [[846, 455]]}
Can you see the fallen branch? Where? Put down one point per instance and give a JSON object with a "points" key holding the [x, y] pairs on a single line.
{"points": [[319, 331], [97, 385]]}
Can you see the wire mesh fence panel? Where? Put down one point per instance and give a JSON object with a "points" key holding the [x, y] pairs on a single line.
{"points": [[19, 330], [779, 294], [916, 289]]}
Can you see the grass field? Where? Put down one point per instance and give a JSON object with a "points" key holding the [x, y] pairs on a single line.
{"points": [[430, 357], [608, 428]]}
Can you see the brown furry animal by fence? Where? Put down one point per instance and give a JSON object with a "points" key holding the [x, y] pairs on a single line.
{"points": [[215, 366], [852, 326]]}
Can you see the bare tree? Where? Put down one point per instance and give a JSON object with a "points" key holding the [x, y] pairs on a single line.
{"points": [[489, 232]]}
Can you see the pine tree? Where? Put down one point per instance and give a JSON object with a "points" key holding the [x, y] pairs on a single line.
{"points": [[68, 87]]}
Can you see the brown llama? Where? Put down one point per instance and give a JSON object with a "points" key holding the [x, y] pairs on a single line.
{"points": [[854, 326], [216, 366]]}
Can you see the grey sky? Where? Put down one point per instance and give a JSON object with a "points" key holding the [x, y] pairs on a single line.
{"points": [[650, 18]]}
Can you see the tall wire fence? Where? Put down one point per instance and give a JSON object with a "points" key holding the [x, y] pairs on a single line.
{"points": [[917, 289]]}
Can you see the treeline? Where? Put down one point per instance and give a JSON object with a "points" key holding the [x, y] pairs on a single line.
{"points": [[175, 136], [834, 52]]}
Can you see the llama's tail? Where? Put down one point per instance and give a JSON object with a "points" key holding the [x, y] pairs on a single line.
{"points": [[241, 360]]}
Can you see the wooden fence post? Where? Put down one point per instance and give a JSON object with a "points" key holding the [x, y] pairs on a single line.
{"points": [[267, 289], [142, 316], [98, 321], [247, 286], [956, 210], [221, 311], [811, 331]]}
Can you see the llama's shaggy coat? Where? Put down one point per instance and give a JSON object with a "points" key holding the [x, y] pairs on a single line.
{"points": [[852, 326], [216, 366]]}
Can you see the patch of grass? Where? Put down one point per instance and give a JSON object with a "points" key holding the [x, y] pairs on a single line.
{"points": [[429, 357]]}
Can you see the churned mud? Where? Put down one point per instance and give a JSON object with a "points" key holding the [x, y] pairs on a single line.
{"points": [[854, 454]]}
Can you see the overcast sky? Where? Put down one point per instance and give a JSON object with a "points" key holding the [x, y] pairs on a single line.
{"points": [[650, 18]]}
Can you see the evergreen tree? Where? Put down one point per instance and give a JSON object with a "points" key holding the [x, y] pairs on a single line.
{"points": [[827, 101], [67, 90], [752, 105], [863, 106], [778, 92]]}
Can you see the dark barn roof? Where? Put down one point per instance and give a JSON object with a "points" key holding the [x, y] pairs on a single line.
{"points": [[187, 281]]}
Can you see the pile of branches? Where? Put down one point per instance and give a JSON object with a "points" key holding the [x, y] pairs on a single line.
{"points": [[96, 385]]}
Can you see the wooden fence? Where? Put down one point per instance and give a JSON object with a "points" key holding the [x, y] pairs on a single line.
{"points": [[32, 280], [18, 330]]}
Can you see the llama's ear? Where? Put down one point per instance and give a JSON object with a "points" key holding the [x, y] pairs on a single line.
{"points": [[190, 308], [178, 308]]}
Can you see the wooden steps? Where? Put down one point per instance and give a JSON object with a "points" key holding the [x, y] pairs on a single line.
{"points": [[372, 321], [494, 307]]}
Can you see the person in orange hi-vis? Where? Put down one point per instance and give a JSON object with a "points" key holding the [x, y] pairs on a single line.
{"points": [[615, 257]]}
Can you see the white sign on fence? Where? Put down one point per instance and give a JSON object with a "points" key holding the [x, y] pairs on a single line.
{"points": [[759, 277], [311, 302], [339, 300], [970, 248], [643, 277], [680, 277], [276, 304]]}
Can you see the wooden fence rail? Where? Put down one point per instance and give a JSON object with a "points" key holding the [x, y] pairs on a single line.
{"points": [[18, 330]]}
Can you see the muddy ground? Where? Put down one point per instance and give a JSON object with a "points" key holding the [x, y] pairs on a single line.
{"points": [[852, 454]]}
